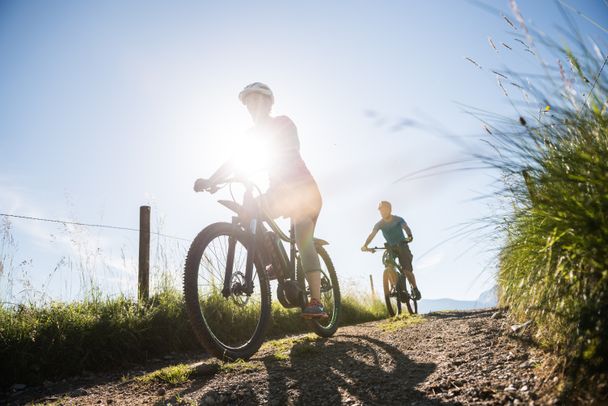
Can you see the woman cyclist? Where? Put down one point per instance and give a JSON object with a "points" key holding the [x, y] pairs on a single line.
{"points": [[292, 190]]}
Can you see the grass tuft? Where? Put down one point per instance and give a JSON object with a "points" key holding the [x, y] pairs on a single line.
{"points": [[400, 322], [283, 348], [173, 375], [240, 366]]}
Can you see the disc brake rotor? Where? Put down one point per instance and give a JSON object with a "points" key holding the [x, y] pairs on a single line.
{"points": [[238, 295], [325, 283]]}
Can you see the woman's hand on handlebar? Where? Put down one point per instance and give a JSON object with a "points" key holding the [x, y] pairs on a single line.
{"points": [[205, 185]]}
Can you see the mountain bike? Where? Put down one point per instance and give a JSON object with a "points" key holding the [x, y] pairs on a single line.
{"points": [[395, 284], [227, 279]]}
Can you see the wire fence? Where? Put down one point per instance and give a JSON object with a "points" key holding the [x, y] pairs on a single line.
{"points": [[87, 259], [65, 222]]}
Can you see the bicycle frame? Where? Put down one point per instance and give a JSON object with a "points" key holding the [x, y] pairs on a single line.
{"points": [[249, 255], [251, 220], [388, 258]]}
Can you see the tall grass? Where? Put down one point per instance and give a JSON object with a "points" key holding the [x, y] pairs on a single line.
{"points": [[42, 338], [553, 267], [63, 339], [57, 340], [91, 263]]}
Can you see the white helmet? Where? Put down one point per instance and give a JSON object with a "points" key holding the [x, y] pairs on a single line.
{"points": [[256, 87]]}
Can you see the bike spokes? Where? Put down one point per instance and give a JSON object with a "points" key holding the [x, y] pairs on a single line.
{"points": [[230, 312]]}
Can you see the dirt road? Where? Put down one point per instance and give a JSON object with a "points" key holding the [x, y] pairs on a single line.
{"points": [[442, 358]]}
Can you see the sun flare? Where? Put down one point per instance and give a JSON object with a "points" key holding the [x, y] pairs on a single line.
{"points": [[251, 156]]}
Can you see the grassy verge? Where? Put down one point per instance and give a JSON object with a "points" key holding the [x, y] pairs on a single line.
{"points": [[553, 267], [38, 343], [62, 339]]}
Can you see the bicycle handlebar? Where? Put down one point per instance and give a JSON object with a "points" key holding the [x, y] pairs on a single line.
{"points": [[235, 179], [374, 249]]}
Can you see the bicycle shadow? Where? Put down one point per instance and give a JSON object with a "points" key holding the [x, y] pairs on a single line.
{"points": [[349, 369]]}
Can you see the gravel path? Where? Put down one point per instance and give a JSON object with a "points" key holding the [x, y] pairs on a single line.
{"points": [[442, 358]]}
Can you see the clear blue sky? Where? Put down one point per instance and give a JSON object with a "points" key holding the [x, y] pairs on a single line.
{"points": [[108, 105]]}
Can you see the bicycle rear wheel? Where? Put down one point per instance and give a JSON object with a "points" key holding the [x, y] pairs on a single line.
{"points": [[330, 295], [231, 326], [390, 282]]}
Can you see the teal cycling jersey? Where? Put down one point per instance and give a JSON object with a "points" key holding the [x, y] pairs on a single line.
{"points": [[392, 230]]}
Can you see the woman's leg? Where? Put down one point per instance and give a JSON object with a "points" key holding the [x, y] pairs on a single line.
{"points": [[305, 229]]}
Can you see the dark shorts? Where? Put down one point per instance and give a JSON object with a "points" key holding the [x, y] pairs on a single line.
{"points": [[403, 253]]}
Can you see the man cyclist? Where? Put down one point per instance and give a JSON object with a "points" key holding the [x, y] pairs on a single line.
{"points": [[292, 190], [392, 228]]}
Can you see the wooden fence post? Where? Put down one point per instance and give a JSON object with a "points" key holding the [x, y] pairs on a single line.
{"points": [[143, 291], [371, 282]]}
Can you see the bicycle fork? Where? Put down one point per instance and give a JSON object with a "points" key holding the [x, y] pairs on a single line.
{"points": [[250, 256], [251, 223], [227, 290]]}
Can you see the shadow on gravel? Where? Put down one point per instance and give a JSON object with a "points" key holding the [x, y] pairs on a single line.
{"points": [[72, 385], [356, 369], [460, 314]]}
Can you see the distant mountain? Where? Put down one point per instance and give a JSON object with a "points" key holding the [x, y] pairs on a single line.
{"points": [[489, 298]]}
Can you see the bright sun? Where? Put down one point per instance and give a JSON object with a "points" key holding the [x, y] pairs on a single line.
{"points": [[252, 155]]}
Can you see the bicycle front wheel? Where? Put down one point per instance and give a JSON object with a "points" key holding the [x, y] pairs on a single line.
{"points": [[229, 325], [411, 303], [330, 295], [390, 282]]}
